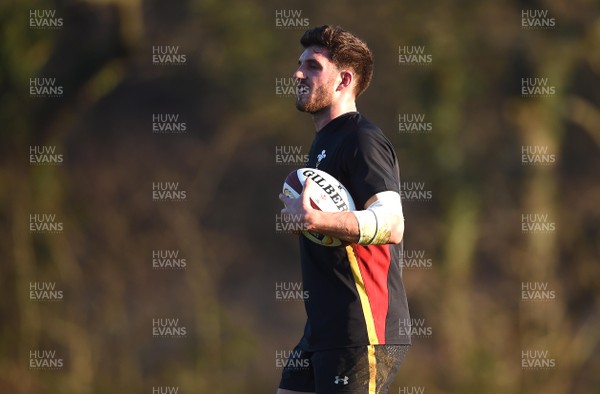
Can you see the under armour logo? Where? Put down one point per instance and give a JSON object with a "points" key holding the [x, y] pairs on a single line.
{"points": [[320, 157], [343, 380]]}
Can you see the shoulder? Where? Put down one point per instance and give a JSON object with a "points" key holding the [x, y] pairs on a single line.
{"points": [[362, 134]]}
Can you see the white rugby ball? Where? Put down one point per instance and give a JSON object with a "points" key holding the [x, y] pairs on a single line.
{"points": [[329, 196]]}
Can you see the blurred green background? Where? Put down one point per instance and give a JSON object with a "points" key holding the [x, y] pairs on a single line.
{"points": [[471, 162]]}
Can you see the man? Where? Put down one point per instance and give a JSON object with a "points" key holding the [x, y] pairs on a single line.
{"points": [[356, 334]]}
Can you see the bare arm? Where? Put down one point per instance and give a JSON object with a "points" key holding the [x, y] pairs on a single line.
{"points": [[341, 225]]}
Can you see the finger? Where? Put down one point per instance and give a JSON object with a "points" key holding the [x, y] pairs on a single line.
{"points": [[306, 192]]}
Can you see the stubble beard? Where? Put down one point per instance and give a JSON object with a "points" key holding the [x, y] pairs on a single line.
{"points": [[316, 100]]}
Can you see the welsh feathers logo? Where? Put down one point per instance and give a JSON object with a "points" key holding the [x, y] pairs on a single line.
{"points": [[320, 157]]}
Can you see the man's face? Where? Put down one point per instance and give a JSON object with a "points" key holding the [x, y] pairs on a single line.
{"points": [[316, 80]]}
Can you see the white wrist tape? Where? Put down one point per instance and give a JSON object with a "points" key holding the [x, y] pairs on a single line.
{"points": [[375, 222]]}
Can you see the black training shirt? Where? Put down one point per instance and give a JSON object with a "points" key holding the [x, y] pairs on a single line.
{"points": [[356, 295]]}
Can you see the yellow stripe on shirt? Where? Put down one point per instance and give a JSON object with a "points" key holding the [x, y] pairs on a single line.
{"points": [[362, 293], [372, 370]]}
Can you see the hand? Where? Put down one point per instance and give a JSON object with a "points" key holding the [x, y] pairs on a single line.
{"points": [[300, 209]]}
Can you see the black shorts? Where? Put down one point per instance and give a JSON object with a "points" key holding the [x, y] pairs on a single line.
{"points": [[359, 370]]}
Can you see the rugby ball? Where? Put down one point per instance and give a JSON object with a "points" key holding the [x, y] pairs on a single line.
{"points": [[329, 196]]}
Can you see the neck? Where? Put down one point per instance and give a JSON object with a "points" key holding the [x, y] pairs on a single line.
{"points": [[326, 115]]}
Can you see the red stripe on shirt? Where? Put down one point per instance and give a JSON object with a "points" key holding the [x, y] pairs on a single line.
{"points": [[374, 264]]}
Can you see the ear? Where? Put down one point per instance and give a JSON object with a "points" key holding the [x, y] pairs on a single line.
{"points": [[346, 80]]}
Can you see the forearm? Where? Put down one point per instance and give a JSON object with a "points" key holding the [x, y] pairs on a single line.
{"points": [[344, 226], [382, 222], [341, 225]]}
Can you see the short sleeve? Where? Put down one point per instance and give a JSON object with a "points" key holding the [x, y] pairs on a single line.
{"points": [[370, 165]]}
